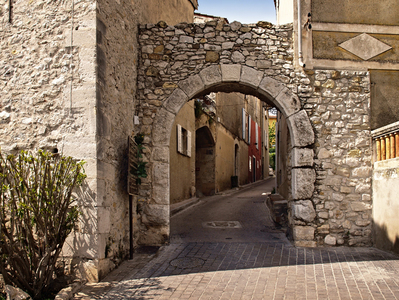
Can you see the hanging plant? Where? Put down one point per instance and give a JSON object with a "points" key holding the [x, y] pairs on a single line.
{"points": [[198, 111], [139, 171]]}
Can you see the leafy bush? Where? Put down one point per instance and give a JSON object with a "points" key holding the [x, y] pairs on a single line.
{"points": [[37, 213], [272, 160]]}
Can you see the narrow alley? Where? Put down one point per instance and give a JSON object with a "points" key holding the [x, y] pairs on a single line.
{"points": [[227, 247], [231, 217]]}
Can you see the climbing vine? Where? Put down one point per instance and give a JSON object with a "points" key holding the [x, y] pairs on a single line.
{"points": [[140, 170]]}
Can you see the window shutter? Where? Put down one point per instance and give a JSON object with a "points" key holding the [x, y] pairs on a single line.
{"points": [[256, 136], [188, 143], [244, 120], [249, 129], [179, 139]]}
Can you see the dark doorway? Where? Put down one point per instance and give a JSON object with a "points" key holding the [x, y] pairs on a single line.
{"points": [[204, 162]]}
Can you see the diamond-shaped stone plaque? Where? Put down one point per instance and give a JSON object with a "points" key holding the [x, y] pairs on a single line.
{"points": [[365, 46]]}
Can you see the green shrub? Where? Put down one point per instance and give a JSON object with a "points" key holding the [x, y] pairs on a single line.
{"points": [[37, 212], [272, 160]]}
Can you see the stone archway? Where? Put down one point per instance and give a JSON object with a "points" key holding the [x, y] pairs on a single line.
{"points": [[250, 80]]}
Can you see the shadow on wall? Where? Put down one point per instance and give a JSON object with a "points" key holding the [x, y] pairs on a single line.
{"points": [[80, 245], [383, 241]]}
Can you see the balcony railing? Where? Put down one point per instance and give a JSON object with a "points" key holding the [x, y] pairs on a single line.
{"points": [[387, 146], [386, 142]]}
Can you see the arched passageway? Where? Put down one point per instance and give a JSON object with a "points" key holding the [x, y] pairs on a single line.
{"points": [[235, 78], [326, 112]]}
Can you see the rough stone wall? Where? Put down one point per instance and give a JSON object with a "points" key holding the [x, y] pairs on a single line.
{"points": [[331, 202], [37, 66], [47, 94], [92, 46], [339, 108], [116, 88]]}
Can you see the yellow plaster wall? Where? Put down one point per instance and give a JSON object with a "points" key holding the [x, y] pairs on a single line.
{"points": [[182, 168]]}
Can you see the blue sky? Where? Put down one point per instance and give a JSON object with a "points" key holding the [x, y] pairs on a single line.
{"points": [[244, 11]]}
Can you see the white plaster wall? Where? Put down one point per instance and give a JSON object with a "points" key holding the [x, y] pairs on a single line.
{"points": [[285, 11], [386, 206]]}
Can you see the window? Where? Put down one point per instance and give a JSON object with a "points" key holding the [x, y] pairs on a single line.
{"points": [[256, 136], [183, 141], [249, 129], [244, 124]]}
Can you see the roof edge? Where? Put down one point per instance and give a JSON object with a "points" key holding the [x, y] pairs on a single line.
{"points": [[194, 3]]}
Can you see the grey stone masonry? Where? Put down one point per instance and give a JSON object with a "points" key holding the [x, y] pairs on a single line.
{"points": [[327, 113]]}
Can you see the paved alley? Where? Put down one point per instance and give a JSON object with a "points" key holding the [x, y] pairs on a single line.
{"points": [[237, 253]]}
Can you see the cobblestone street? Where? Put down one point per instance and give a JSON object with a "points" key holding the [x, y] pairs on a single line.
{"points": [[252, 271], [248, 262]]}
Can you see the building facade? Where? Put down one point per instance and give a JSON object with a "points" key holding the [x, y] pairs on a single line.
{"points": [[227, 138], [68, 73], [360, 36]]}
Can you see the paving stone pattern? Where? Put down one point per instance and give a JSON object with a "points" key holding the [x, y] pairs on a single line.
{"points": [[253, 271]]}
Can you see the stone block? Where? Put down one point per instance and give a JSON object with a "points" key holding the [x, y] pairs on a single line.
{"points": [[160, 154], [160, 195], [89, 270], [251, 77], [15, 293], [211, 75], [88, 220], [103, 219], [303, 210], [227, 45], [303, 233], [209, 47], [192, 85], [269, 86], [287, 102], [360, 206], [324, 153], [147, 49], [162, 127], [341, 171], [176, 101], [263, 64], [330, 240], [324, 229], [106, 171], [303, 183], [105, 266], [362, 172], [212, 56], [186, 39], [154, 236], [302, 157], [157, 215], [301, 130], [323, 215], [84, 37], [237, 57], [308, 244], [231, 72], [81, 245], [160, 173]]}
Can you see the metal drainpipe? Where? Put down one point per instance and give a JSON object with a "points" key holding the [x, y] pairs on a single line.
{"points": [[300, 58]]}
